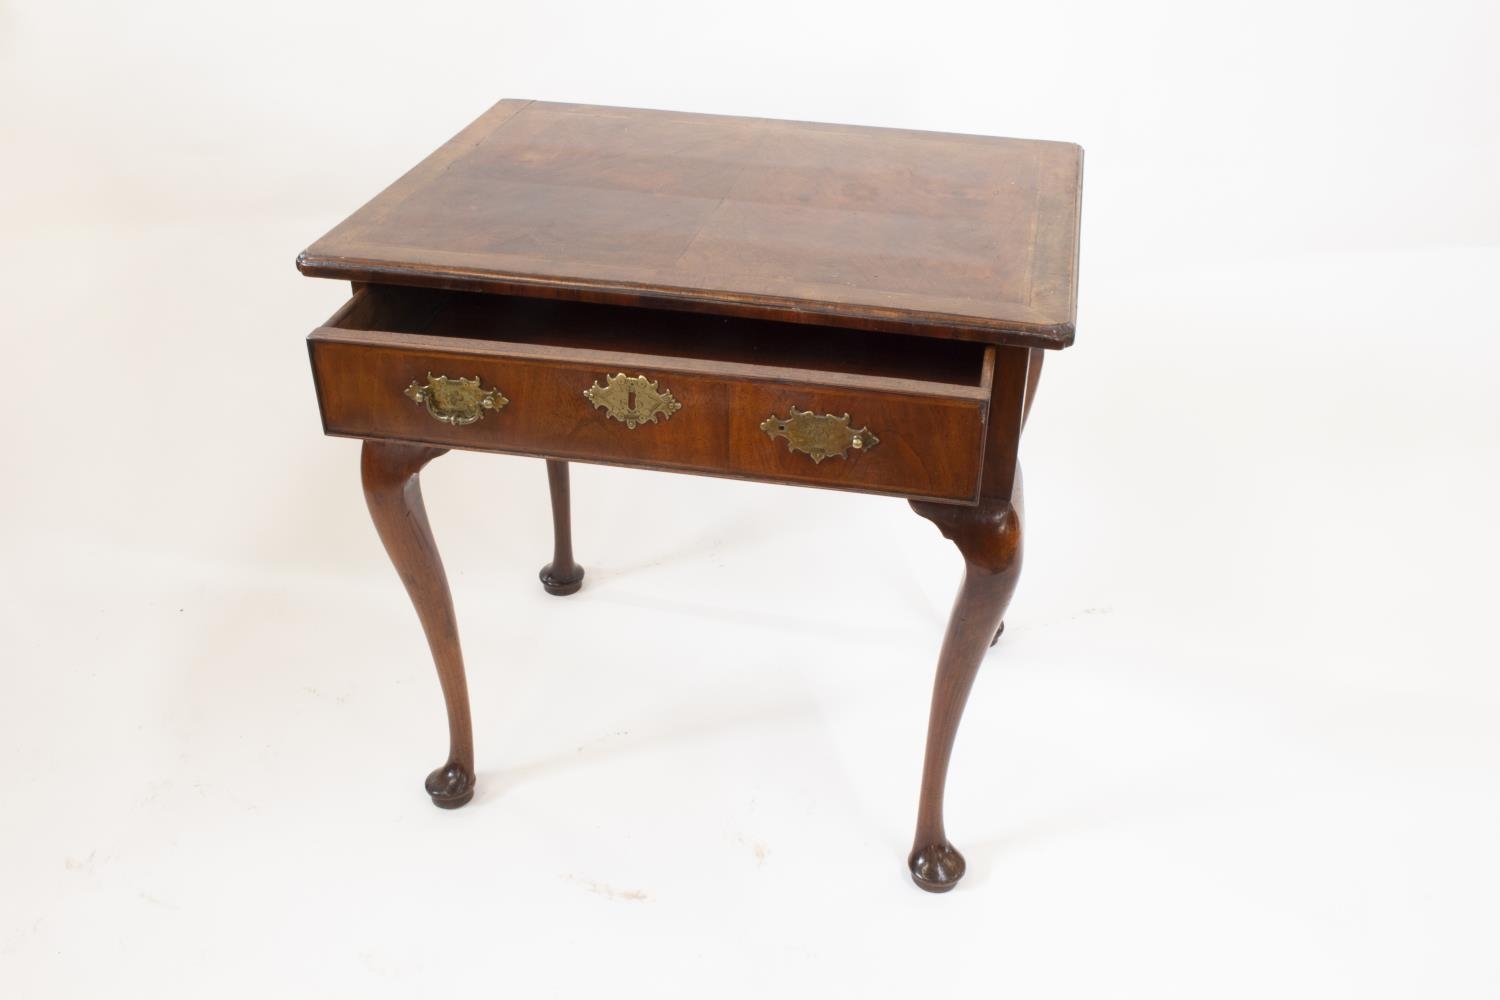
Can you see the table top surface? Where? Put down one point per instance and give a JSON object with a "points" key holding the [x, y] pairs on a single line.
{"points": [[870, 228]]}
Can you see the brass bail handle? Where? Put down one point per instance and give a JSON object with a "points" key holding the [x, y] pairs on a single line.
{"points": [[819, 437], [455, 401]]}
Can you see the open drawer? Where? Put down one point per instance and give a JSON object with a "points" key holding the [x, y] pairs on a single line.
{"points": [[671, 390]]}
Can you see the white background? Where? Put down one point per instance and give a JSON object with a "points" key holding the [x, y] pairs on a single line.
{"points": [[1238, 741]]}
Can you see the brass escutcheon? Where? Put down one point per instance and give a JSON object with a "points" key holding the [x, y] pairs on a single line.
{"points": [[456, 401], [819, 437], [632, 400]]}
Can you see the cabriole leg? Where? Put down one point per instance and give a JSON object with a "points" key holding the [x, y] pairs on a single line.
{"points": [[394, 495], [989, 538]]}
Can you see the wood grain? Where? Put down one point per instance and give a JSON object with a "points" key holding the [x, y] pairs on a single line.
{"points": [[964, 236], [989, 538], [931, 419], [930, 446], [562, 576], [393, 493], [913, 280]]}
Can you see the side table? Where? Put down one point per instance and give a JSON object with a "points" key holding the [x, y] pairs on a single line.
{"points": [[818, 305]]}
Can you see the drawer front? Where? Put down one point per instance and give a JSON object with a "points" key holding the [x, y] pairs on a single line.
{"points": [[926, 446]]}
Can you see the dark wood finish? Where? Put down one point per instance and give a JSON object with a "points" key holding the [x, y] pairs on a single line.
{"points": [[922, 232], [1033, 377], [562, 576], [393, 493], [930, 433], [989, 538], [717, 339], [909, 279], [1007, 405]]}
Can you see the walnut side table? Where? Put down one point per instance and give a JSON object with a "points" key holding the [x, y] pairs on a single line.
{"points": [[819, 305]]}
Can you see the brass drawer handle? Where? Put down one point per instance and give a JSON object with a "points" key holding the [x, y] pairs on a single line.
{"points": [[632, 400], [820, 437], [456, 401]]}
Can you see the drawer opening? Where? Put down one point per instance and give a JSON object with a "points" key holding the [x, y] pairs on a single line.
{"points": [[588, 327]]}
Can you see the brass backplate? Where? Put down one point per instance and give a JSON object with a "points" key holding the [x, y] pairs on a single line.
{"points": [[632, 400], [819, 436], [456, 401]]}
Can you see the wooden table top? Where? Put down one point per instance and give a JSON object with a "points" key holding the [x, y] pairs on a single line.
{"points": [[869, 228]]}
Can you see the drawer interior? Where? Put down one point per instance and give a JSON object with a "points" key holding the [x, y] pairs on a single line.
{"points": [[589, 327]]}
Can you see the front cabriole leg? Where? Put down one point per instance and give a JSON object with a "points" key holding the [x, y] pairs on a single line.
{"points": [[989, 538], [394, 495]]}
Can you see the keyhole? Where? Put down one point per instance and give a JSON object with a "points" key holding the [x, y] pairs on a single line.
{"points": [[630, 400]]}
